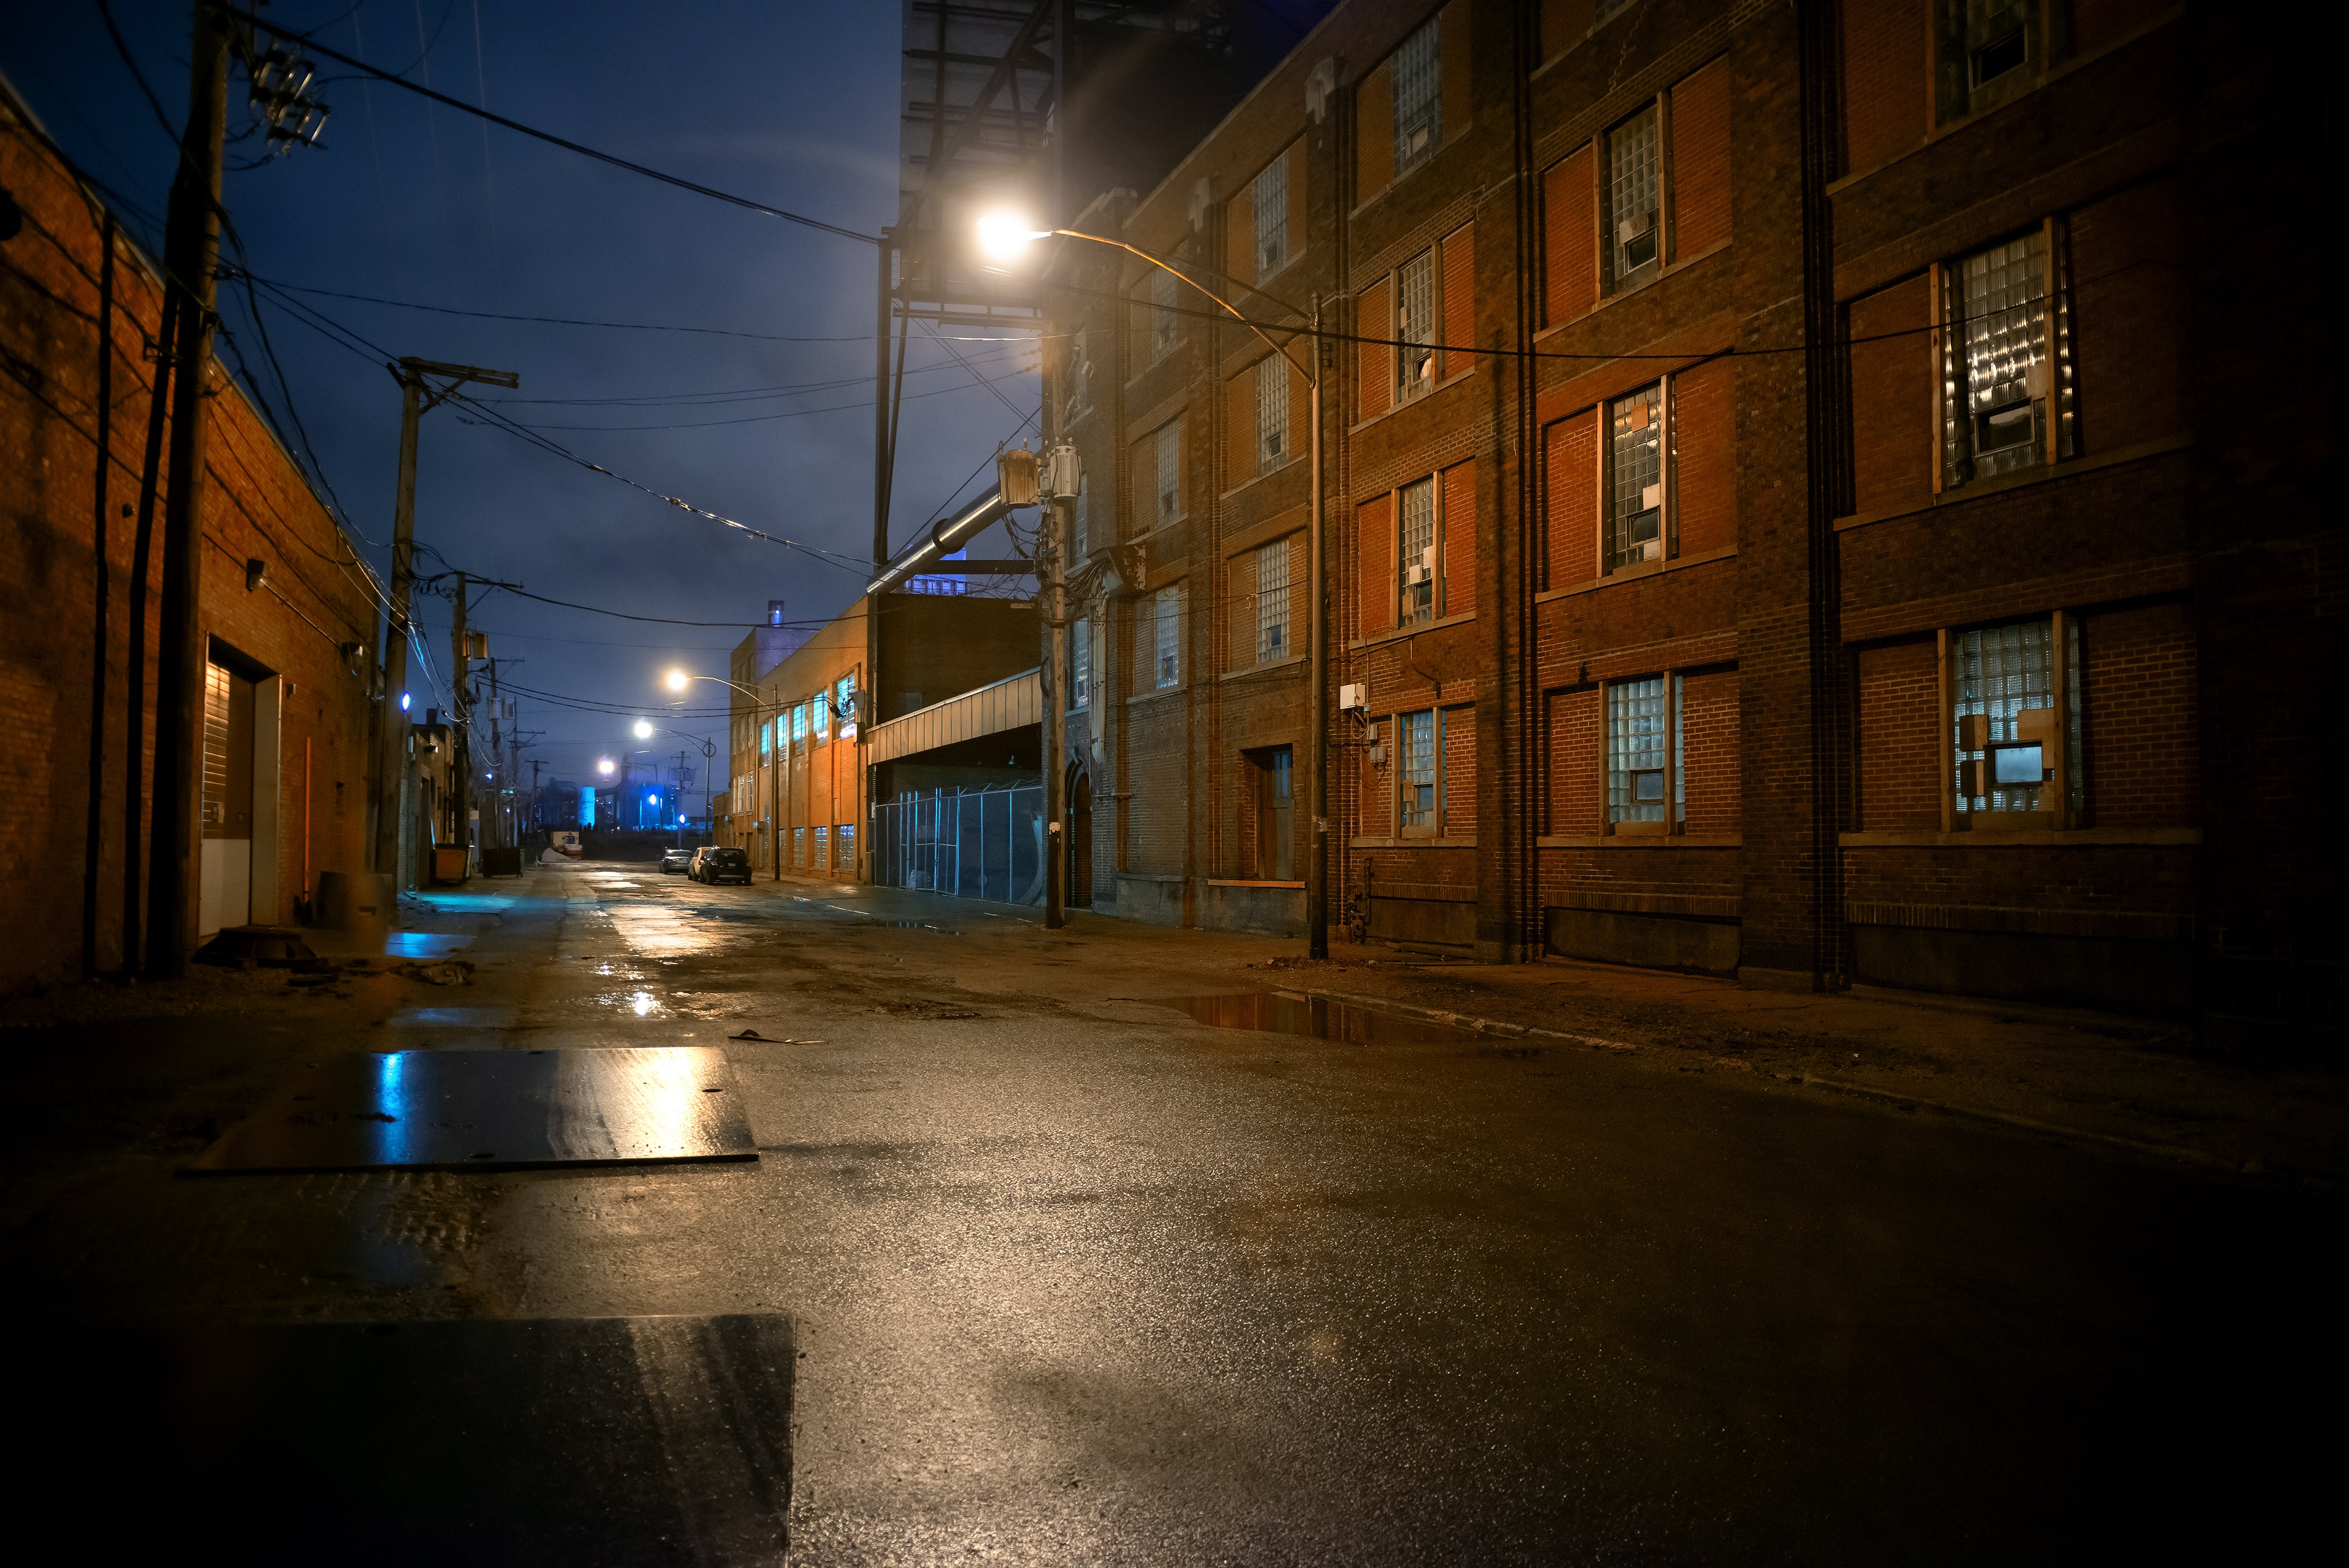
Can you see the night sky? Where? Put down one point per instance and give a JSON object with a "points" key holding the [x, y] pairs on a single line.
{"points": [[792, 105]]}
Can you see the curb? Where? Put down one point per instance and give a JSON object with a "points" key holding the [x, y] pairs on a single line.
{"points": [[2169, 1151]]}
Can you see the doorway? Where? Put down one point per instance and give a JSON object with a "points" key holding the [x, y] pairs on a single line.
{"points": [[1271, 806], [1080, 840], [237, 868]]}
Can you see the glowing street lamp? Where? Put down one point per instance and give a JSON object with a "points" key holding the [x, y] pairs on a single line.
{"points": [[604, 766], [1004, 235], [644, 729]]}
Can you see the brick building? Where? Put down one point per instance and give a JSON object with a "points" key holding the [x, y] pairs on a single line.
{"points": [[1787, 507], [287, 615]]}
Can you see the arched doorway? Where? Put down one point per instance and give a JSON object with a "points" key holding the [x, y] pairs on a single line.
{"points": [[1080, 840]]}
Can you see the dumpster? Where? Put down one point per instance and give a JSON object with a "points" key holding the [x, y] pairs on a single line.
{"points": [[448, 863]]}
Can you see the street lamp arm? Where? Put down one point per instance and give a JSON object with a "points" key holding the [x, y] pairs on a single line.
{"points": [[1229, 308]]}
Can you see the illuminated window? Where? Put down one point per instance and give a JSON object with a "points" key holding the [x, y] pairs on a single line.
{"points": [[2000, 354], [766, 740], [843, 846], [1635, 478], [799, 725], [1418, 97], [823, 861], [799, 846], [843, 697], [822, 718]]}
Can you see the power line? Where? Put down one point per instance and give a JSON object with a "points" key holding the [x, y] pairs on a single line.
{"points": [[987, 381], [308, 42]]}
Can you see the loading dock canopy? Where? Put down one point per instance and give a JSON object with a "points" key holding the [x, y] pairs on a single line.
{"points": [[1010, 704]]}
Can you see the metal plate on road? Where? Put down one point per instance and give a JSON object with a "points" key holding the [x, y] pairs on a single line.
{"points": [[557, 1441], [461, 1111]]}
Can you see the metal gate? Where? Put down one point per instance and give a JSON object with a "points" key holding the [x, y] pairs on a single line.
{"points": [[976, 843]]}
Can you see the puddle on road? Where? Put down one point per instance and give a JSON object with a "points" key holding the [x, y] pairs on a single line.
{"points": [[423, 943], [1316, 1017]]}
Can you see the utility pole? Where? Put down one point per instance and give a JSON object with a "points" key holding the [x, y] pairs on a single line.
{"points": [[1317, 706], [1052, 544], [190, 260], [460, 709], [391, 748]]}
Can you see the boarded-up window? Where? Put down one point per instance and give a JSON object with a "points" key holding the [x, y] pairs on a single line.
{"points": [[1883, 79], [1899, 754], [1373, 321], [1564, 24], [1892, 398], [1374, 129], [1704, 478], [1571, 757], [1460, 300], [1710, 763], [1374, 566], [1570, 497], [2128, 310], [1240, 597], [1569, 248], [1459, 595], [1460, 773], [1701, 161], [1240, 423]]}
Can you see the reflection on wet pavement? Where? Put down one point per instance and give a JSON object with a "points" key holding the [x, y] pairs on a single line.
{"points": [[1284, 1012], [423, 943], [452, 1017], [658, 930]]}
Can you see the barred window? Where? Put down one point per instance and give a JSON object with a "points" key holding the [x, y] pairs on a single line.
{"points": [[1638, 719], [1268, 199], [1634, 199], [1168, 631], [1272, 601], [1271, 413], [1419, 98], [1419, 778], [1415, 555], [1635, 478], [1162, 318], [1415, 326], [1169, 455], [1999, 360]]}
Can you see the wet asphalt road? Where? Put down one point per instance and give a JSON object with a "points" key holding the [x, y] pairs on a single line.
{"points": [[1075, 1277]]}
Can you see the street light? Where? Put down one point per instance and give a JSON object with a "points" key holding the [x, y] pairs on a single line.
{"points": [[1002, 234], [677, 681]]}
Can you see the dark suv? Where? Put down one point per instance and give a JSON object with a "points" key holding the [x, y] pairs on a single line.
{"points": [[721, 863]]}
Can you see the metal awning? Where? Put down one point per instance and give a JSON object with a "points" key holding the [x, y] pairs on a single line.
{"points": [[1010, 704]]}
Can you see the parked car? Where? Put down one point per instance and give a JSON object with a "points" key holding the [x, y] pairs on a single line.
{"points": [[721, 863], [676, 859]]}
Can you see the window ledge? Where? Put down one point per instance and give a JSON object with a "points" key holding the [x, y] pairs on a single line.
{"points": [[1261, 475], [2019, 480], [1635, 573], [1416, 842], [1248, 882], [1394, 183], [1421, 630], [1401, 404], [1267, 667], [1175, 690], [1927, 838], [1668, 270], [1640, 841]]}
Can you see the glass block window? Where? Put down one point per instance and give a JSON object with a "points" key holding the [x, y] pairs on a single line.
{"points": [[1998, 362], [1999, 672], [1162, 314], [766, 741], [843, 846], [1415, 326], [1081, 662], [823, 848], [1419, 776], [1419, 98], [799, 846], [1634, 198], [1637, 718], [1169, 466], [1635, 478], [1415, 559], [1167, 636], [1271, 413], [1268, 199], [1272, 601]]}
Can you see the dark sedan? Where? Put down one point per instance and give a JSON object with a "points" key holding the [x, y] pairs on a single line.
{"points": [[721, 863]]}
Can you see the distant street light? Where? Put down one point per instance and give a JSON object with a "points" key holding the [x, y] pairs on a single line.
{"points": [[677, 681], [604, 766], [644, 729]]}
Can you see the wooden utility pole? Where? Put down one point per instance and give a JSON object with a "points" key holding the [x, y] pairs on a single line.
{"points": [[191, 259], [391, 741], [460, 711]]}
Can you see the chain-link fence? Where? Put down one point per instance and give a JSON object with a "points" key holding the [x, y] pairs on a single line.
{"points": [[977, 843]]}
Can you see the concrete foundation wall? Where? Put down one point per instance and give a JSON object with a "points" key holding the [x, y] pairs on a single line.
{"points": [[1156, 899], [2097, 972], [1266, 910], [1650, 941]]}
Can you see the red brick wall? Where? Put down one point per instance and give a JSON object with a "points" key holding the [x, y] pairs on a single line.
{"points": [[1564, 23], [1709, 752], [1374, 130], [1570, 238], [1374, 318], [1704, 446], [1701, 160], [1374, 576], [1459, 555], [1571, 750], [1240, 454], [1884, 67], [1459, 298], [2096, 23], [1460, 772], [2125, 316], [1897, 754], [1892, 398], [2139, 719], [1570, 500]]}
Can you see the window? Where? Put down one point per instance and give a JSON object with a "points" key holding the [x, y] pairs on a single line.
{"points": [[1081, 366], [1635, 478], [799, 846], [1272, 601], [1169, 456], [1418, 97], [766, 740], [1643, 753], [799, 725], [1416, 555], [843, 846], [1162, 314], [1078, 549], [1271, 413], [1419, 777], [2010, 744], [844, 697], [823, 706], [823, 848], [1167, 636], [1080, 661], [2001, 351], [1634, 203], [1988, 48], [1270, 832], [1268, 203], [1415, 326]]}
